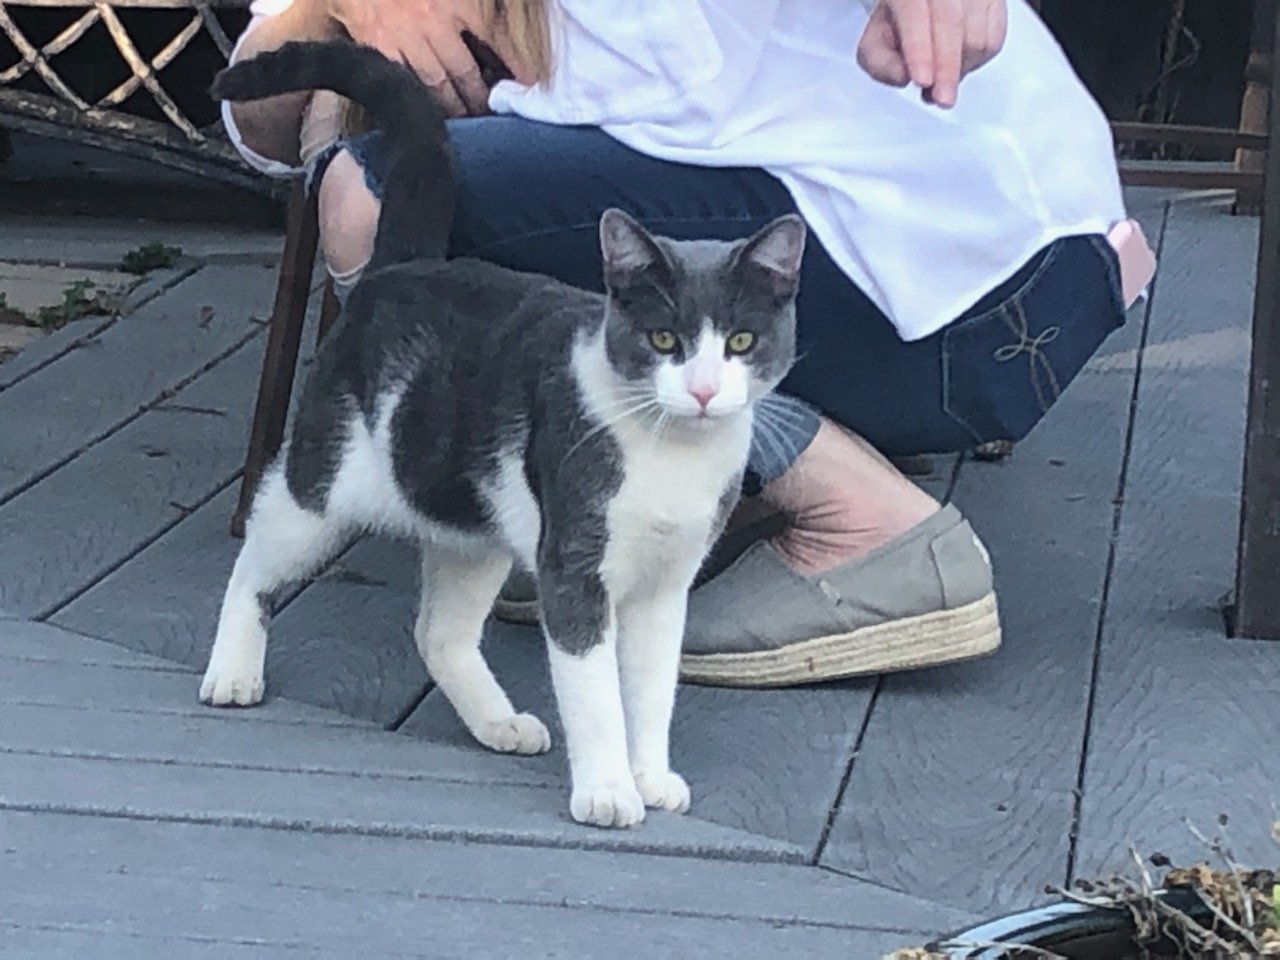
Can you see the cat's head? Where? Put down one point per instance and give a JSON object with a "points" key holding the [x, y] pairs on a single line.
{"points": [[706, 328]]}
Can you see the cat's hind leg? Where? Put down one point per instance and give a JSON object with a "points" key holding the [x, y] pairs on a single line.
{"points": [[458, 590], [283, 542]]}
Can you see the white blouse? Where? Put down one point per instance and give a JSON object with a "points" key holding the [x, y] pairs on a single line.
{"points": [[926, 210]]}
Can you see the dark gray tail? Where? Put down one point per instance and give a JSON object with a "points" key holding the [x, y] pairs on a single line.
{"points": [[417, 204]]}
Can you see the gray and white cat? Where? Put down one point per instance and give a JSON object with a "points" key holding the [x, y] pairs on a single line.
{"points": [[497, 416]]}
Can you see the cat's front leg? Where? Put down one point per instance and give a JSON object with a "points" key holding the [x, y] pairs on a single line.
{"points": [[582, 650], [650, 631]]}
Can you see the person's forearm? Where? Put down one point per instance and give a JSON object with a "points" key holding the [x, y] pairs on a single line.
{"points": [[271, 127]]}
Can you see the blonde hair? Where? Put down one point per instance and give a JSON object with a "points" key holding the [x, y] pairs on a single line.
{"points": [[526, 25]]}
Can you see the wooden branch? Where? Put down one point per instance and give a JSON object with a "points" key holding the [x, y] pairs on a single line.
{"points": [[143, 71], [1191, 176], [214, 28], [158, 63], [32, 56], [54, 47], [1187, 134]]}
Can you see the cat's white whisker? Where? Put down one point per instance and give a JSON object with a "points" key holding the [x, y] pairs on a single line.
{"points": [[605, 425], [769, 433], [776, 405]]}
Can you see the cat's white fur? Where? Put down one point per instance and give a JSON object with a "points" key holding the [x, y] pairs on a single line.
{"points": [[616, 699]]}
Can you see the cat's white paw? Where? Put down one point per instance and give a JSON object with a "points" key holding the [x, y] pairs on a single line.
{"points": [[227, 688], [518, 733], [664, 790], [608, 804]]}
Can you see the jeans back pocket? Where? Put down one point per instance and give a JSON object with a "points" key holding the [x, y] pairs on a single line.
{"points": [[1005, 367]]}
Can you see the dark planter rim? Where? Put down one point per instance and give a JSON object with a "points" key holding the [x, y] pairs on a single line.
{"points": [[1056, 923]]}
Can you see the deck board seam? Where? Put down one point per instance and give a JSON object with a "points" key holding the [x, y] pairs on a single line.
{"points": [[834, 809], [106, 324], [166, 394], [341, 720], [66, 600], [1117, 513], [448, 834], [300, 769]]}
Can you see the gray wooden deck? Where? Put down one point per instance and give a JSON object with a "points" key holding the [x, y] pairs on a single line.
{"points": [[350, 816]]}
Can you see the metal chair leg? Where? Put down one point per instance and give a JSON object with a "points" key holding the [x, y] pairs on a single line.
{"points": [[284, 338]]}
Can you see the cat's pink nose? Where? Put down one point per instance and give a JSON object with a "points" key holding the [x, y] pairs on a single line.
{"points": [[703, 394]]}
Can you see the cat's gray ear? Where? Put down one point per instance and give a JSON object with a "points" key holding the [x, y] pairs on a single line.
{"points": [[627, 248], [777, 249]]}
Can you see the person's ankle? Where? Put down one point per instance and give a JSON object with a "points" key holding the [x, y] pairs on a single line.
{"points": [[842, 500]]}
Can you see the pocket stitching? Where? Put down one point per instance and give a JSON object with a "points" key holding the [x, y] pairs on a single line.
{"points": [[1038, 361]]}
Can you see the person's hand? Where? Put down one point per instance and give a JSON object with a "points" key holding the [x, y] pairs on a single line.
{"points": [[931, 43], [428, 36]]}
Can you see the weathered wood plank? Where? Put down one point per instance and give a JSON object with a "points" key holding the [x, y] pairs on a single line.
{"points": [[440, 810], [590, 881], [766, 761], [165, 600], [206, 739], [1184, 716], [286, 922], [938, 483], [80, 333], [963, 789], [348, 645], [346, 642], [88, 686], [94, 390], [48, 348], [47, 239], [22, 942], [26, 640], [78, 523]]}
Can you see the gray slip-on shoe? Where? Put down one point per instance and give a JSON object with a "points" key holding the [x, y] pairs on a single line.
{"points": [[923, 599], [518, 600]]}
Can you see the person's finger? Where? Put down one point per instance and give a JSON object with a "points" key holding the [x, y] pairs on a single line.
{"points": [[976, 49], [985, 29], [997, 26], [878, 52], [462, 70], [422, 60], [391, 42], [948, 51], [912, 24]]}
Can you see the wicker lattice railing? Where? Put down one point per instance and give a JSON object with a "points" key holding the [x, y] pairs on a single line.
{"points": [[54, 106]]}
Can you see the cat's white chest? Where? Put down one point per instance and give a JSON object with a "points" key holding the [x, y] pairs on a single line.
{"points": [[662, 517]]}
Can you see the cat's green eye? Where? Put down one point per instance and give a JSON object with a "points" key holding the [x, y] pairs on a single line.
{"points": [[664, 341], [741, 342]]}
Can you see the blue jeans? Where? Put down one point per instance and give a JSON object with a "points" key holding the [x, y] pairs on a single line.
{"points": [[530, 197]]}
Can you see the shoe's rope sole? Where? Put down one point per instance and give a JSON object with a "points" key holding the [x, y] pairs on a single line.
{"points": [[524, 612], [946, 636]]}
